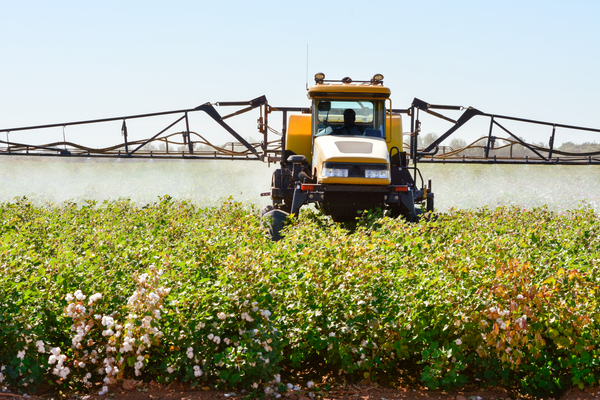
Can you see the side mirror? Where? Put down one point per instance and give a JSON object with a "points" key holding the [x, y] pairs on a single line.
{"points": [[324, 106]]}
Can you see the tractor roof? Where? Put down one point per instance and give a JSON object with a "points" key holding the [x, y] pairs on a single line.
{"points": [[362, 91], [346, 88]]}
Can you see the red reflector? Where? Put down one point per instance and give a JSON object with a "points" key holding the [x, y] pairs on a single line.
{"points": [[401, 188], [308, 187]]}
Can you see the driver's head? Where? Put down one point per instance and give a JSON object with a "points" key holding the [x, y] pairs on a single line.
{"points": [[349, 117]]}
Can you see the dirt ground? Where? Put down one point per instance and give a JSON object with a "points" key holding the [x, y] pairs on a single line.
{"points": [[354, 392]]}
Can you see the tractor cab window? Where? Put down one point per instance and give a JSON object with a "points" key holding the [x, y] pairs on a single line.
{"points": [[349, 117]]}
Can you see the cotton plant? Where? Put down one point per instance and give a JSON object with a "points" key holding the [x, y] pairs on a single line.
{"points": [[27, 366], [105, 345], [236, 343]]}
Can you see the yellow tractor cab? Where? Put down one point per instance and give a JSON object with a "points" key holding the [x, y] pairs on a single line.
{"points": [[346, 155]]}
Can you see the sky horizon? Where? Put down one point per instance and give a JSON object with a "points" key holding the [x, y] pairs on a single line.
{"points": [[67, 61]]}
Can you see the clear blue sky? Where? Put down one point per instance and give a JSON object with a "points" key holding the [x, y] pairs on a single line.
{"points": [[72, 60]]}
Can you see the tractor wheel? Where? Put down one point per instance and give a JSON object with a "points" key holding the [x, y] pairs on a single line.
{"points": [[402, 211], [343, 218], [274, 220]]}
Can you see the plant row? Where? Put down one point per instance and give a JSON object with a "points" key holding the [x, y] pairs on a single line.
{"points": [[94, 293]]}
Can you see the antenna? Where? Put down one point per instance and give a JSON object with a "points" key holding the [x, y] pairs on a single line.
{"points": [[307, 66]]}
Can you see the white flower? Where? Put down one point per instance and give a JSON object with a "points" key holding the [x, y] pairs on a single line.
{"points": [[190, 352], [143, 278], [127, 345], [197, 371], [40, 345], [458, 342], [94, 298], [79, 309], [146, 339], [170, 370], [221, 316], [69, 297], [277, 378], [310, 384], [108, 332], [331, 334], [21, 354], [265, 313], [501, 323], [154, 298], [521, 321], [64, 372], [210, 336], [247, 317], [108, 321], [255, 385], [79, 295], [146, 321], [103, 391], [217, 340], [520, 297]]}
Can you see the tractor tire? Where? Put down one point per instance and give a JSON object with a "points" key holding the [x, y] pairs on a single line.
{"points": [[266, 210], [401, 211], [274, 220], [344, 218]]}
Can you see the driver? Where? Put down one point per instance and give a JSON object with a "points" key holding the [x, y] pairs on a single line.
{"points": [[349, 127]]}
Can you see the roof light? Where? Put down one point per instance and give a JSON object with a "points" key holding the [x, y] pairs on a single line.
{"points": [[347, 80], [377, 78], [319, 77]]}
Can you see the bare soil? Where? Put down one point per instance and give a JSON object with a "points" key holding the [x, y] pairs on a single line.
{"points": [[155, 391]]}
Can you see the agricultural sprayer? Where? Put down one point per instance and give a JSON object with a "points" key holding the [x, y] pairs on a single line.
{"points": [[346, 152]]}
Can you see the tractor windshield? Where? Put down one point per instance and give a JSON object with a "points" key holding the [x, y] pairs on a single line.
{"points": [[349, 117]]}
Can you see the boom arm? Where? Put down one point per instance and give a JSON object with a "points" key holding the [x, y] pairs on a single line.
{"points": [[431, 150]]}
